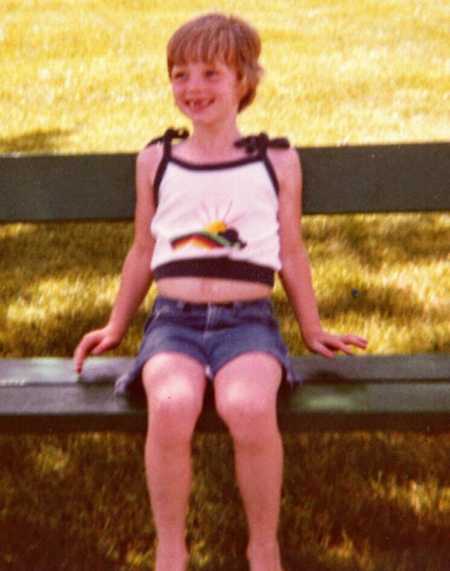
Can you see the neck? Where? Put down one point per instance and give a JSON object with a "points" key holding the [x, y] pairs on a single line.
{"points": [[214, 139]]}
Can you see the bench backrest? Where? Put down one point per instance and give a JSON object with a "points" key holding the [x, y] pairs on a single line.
{"points": [[348, 179]]}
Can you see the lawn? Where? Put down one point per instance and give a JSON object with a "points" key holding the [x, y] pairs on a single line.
{"points": [[89, 76]]}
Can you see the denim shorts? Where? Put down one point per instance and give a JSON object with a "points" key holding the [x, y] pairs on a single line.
{"points": [[213, 334]]}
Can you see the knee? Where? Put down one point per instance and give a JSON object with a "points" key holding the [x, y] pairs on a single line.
{"points": [[173, 410], [250, 419]]}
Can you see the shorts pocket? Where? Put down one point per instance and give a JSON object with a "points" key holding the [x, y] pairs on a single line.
{"points": [[156, 312]]}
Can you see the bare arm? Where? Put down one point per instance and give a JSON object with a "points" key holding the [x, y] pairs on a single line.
{"points": [[296, 273], [136, 275]]}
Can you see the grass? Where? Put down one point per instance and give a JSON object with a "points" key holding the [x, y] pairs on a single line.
{"points": [[336, 72], [88, 76], [350, 502]]}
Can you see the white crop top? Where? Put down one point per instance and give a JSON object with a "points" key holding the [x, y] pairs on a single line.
{"points": [[217, 220]]}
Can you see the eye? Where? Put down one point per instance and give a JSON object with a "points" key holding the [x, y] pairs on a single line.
{"points": [[179, 75], [211, 73]]}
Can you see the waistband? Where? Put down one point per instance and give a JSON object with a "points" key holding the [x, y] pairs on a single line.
{"points": [[188, 306]]}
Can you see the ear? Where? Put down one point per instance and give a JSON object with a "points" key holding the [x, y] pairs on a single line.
{"points": [[242, 85]]}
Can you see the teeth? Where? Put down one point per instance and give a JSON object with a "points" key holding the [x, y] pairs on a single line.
{"points": [[197, 104]]}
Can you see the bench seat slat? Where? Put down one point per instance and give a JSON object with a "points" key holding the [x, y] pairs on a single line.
{"points": [[417, 407], [373, 368], [363, 393]]}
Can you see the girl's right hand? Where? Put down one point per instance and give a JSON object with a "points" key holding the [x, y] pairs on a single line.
{"points": [[95, 342]]}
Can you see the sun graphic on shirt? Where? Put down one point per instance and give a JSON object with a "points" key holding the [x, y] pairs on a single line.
{"points": [[215, 235]]}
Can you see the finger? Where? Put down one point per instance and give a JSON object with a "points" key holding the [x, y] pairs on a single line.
{"points": [[334, 342], [323, 350], [355, 341], [338, 344], [83, 349], [101, 347], [361, 342], [78, 359], [343, 348], [346, 350]]}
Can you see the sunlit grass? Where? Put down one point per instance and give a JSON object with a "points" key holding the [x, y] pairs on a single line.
{"points": [[88, 76], [336, 72]]}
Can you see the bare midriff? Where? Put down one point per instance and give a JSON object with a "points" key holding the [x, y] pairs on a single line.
{"points": [[211, 290]]}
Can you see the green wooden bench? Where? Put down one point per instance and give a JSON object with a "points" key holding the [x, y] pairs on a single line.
{"points": [[401, 392]]}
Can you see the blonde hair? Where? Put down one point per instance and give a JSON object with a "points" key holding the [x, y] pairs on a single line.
{"points": [[228, 39]]}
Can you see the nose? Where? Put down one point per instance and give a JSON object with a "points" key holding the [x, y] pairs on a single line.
{"points": [[195, 82]]}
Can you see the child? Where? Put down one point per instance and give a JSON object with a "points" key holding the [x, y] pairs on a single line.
{"points": [[224, 216]]}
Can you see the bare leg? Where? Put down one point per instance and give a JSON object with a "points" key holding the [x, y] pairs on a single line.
{"points": [[246, 391], [175, 386]]}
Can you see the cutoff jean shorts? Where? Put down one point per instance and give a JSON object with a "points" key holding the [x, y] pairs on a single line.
{"points": [[213, 334]]}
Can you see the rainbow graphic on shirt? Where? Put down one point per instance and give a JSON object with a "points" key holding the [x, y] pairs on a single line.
{"points": [[215, 235]]}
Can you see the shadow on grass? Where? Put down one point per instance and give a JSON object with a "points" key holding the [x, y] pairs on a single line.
{"points": [[79, 502], [382, 494], [59, 255], [39, 262], [31, 545], [411, 238], [379, 240], [39, 141], [67, 503]]}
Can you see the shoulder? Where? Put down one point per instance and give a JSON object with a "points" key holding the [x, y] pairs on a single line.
{"points": [[148, 160], [150, 157], [287, 166]]}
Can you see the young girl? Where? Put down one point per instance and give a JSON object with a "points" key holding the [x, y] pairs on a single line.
{"points": [[217, 215]]}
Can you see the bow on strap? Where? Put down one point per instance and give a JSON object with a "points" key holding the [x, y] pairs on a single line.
{"points": [[261, 142], [169, 135]]}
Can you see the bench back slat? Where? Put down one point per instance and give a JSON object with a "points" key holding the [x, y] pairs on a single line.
{"points": [[350, 179]]}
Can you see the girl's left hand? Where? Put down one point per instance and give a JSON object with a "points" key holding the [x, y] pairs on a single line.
{"points": [[328, 345]]}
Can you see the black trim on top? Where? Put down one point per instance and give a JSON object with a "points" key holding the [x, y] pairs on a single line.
{"points": [[271, 172], [159, 176], [220, 267], [255, 145], [169, 135], [166, 140], [259, 144], [214, 166]]}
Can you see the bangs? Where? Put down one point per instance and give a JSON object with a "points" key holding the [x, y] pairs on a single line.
{"points": [[205, 44]]}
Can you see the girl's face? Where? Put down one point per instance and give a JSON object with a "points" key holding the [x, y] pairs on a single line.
{"points": [[207, 93]]}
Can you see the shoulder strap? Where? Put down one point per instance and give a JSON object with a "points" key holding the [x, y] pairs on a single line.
{"points": [[168, 137], [260, 143]]}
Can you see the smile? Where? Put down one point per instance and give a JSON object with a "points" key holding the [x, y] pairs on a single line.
{"points": [[199, 104]]}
